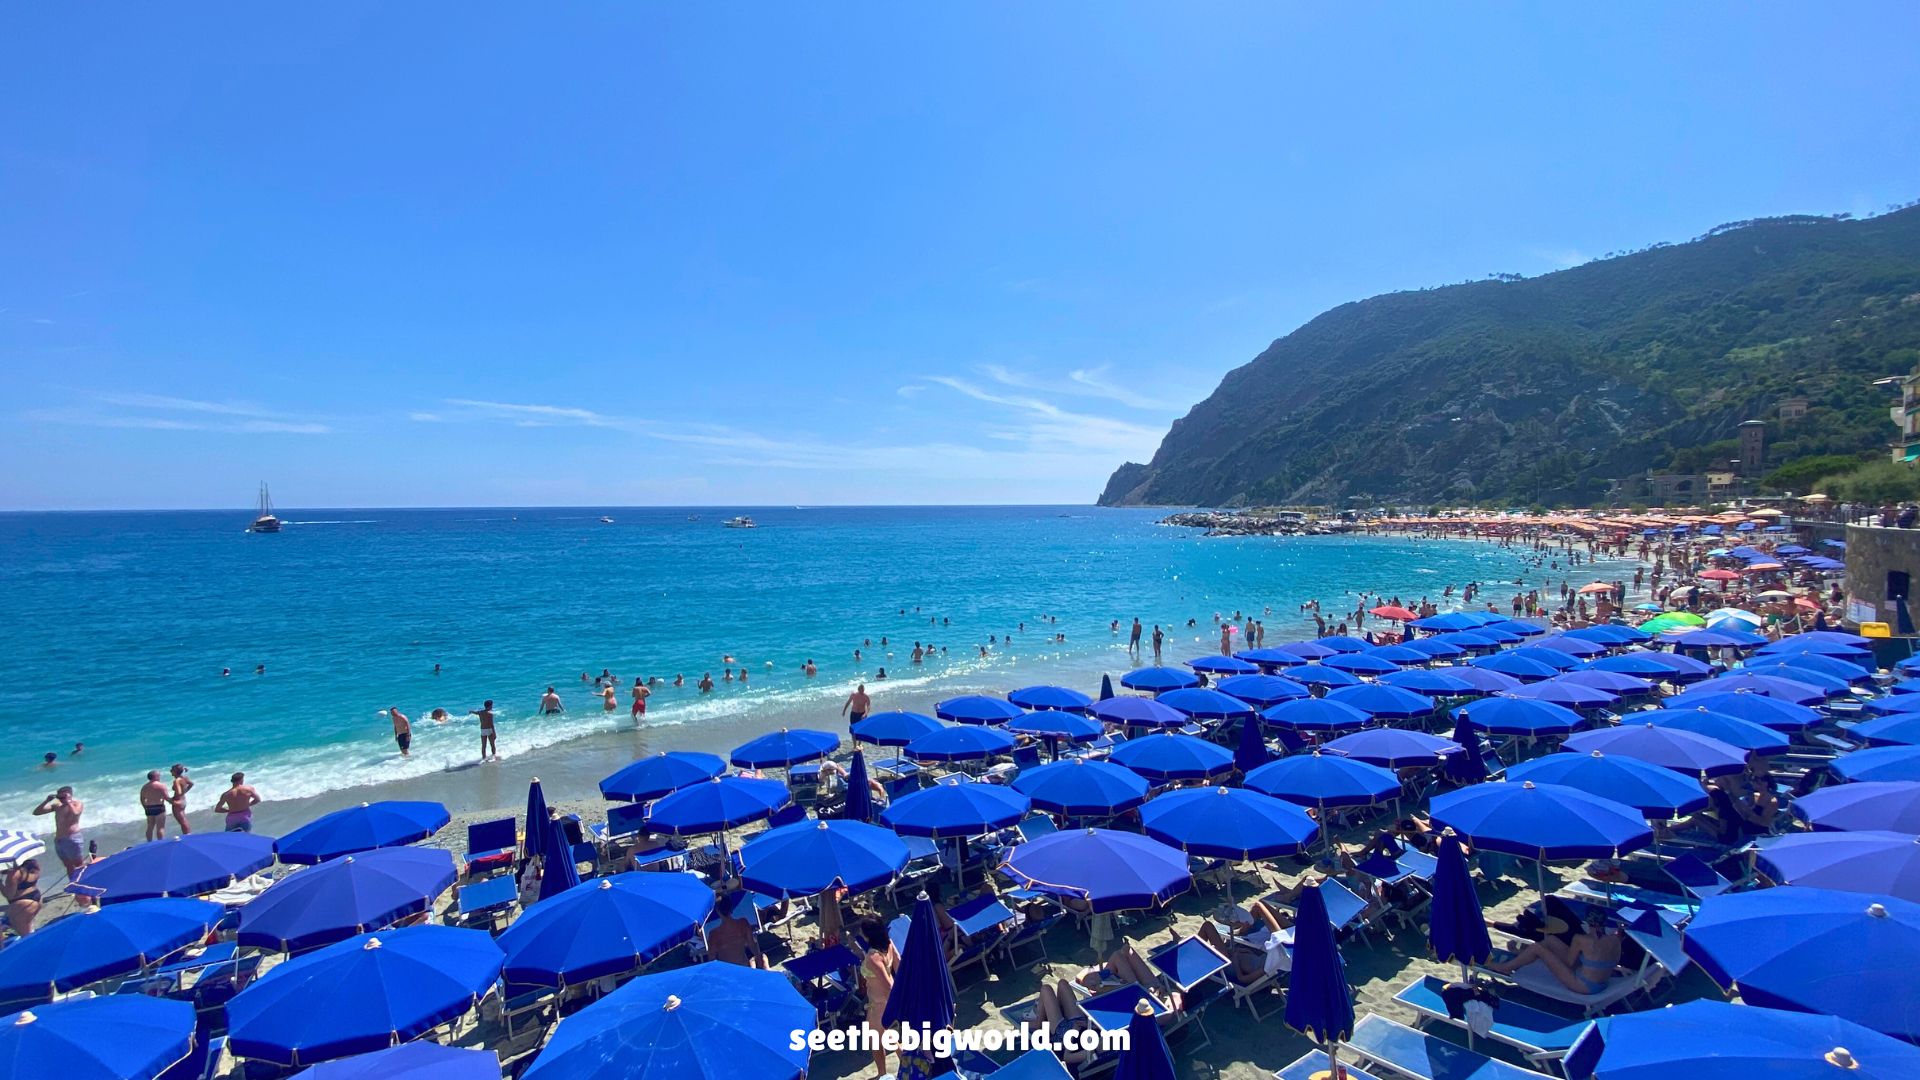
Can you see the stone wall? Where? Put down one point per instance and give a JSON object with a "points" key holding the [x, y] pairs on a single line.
{"points": [[1872, 552]]}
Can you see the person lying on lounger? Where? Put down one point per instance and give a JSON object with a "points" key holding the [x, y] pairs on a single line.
{"points": [[1254, 947], [1584, 966]]}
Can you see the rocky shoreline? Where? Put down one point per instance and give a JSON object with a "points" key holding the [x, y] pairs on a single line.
{"points": [[1255, 523]]}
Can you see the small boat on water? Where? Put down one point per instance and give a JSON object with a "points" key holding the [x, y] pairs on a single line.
{"points": [[741, 522], [266, 522], [606, 520]]}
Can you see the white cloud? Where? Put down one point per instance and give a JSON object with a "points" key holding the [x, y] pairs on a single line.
{"points": [[1562, 258], [534, 415], [912, 390], [426, 417], [162, 412], [1044, 425]]}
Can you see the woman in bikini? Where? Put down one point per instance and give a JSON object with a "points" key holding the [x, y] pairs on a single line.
{"points": [[21, 889], [1583, 966], [181, 785], [876, 977]]}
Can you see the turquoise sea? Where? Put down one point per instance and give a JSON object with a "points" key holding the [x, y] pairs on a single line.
{"points": [[118, 625]]}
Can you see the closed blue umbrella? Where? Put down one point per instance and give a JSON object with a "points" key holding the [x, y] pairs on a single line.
{"points": [[362, 994], [1503, 714], [1360, 664], [1759, 708], [362, 828], [1611, 681], [955, 810], [1261, 691], [1682, 751], [1319, 1001], [810, 857], [859, 800], [1111, 871], [894, 728], [1541, 821], [1106, 686], [1881, 863], [1050, 697], [661, 774], [99, 943], [182, 866], [558, 870], [976, 709], [1223, 665], [346, 896], [922, 995], [537, 817], [1316, 714], [1483, 680], [1251, 752], [1519, 667], [1319, 674], [1572, 646], [1468, 765], [122, 1037], [1393, 748], [788, 746], [1899, 729], [1658, 793], [1659, 666], [1323, 780], [1815, 950], [960, 744], [1162, 757], [1383, 702], [1082, 788], [1794, 690], [1714, 1040], [1202, 704], [1891, 805], [1228, 823], [1146, 1056], [1735, 732], [410, 1061], [1429, 682], [1138, 712], [719, 804], [1565, 694], [607, 926], [1456, 926], [711, 1021], [1154, 680]]}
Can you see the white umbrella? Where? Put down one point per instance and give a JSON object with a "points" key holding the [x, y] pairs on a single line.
{"points": [[17, 847]]}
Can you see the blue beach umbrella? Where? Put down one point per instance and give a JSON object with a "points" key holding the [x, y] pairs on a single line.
{"points": [[1261, 691], [1452, 620], [1082, 788], [345, 896], [1814, 950], [1806, 645], [1154, 680], [1050, 697], [1340, 643], [99, 943], [1319, 1001], [1468, 765], [1111, 871], [1892, 805], [1162, 757], [922, 997], [1712, 639], [558, 870], [1398, 655], [1479, 639], [1832, 667], [1512, 626], [1609, 634], [1138, 712], [1431, 683], [1223, 665], [810, 857], [410, 1061], [537, 817], [179, 866], [1758, 708], [660, 774], [1880, 863], [1316, 714], [1611, 681], [1054, 724], [788, 746], [1434, 648], [1553, 658], [1323, 780], [1793, 690], [1484, 680], [1251, 752], [1519, 667], [1307, 650], [1893, 704], [895, 728], [362, 994], [858, 805], [1228, 823], [1735, 732], [711, 1021], [1318, 674], [1542, 821], [1905, 686], [1572, 646], [1455, 924], [1671, 748], [955, 810], [719, 804], [1658, 666], [1207, 704], [1828, 685], [1106, 686], [1273, 656], [1361, 664], [960, 744], [365, 827], [1658, 793], [976, 709], [1383, 702], [122, 1037], [1146, 1056], [1714, 1040], [1393, 748], [1565, 694], [607, 926], [1879, 763]]}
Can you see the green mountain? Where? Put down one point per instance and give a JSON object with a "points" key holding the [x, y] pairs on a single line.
{"points": [[1547, 389]]}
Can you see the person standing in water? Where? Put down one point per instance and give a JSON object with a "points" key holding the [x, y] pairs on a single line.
{"points": [[550, 703], [609, 698], [181, 785], [489, 746], [402, 730], [640, 694], [153, 803], [857, 705], [237, 803]]}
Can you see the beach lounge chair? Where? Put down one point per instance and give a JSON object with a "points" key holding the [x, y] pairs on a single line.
{"points": [[490, 846], [1661, 957], [1034, 826], [902, 786], [202, 1063], [1396, 1048], [1031, 932], [923, 862], [1316, 1063], [787, 815], [1540, 1037], [624, 820], [1026, 757], [981, 924], [519, 1002]]}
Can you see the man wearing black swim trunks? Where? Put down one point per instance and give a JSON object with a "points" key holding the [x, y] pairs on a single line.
{"points": [[402, 730], [153, 802]]}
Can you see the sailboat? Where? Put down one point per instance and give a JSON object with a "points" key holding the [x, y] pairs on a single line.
{"points": [[266, 522]]}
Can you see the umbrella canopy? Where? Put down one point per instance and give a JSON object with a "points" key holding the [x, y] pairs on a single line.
{"points": [[1164, 757], [955, 810], [896, 728], [1319, 1001], [1430, 683], [1713, 1040], [1542, 821], [1565, 694], [1511, 626], [1757, 708], [1383, 702], [1146, 1056], [1896, 703], [1503, 714], [1881, 863], [788, 746], [662, 774], [178, 866], [346, 896], [362, 994], [1891, 805], [1434, 648], [1831, 666], [1050, 697], [1154, 680], [711, 1021], [1793, 690], [1223, 665], [410, 1061], [1483, 680], [1713, 639], [922, 995], [1659, 794], [1393, 748], [1111, 871], [1899, 729], [1202, 704], [1735, 732], [1274, 656], [1340, 643], [1452, 620], [1138, 711], [1082, 788], [1055, 724], [1361, 664], [976, 709], [1393, 612], [607, 926], [1611, 681], [961, 744], [1828, 685], [1659, 666], [1228, 823], [122, 1037], [1399, 655], [1455, 924], [362, 828], [1814, 950], [1553, 658], [1572, 646], [1520, 667], [1672, 748], [1306, 650], [1316, 714], [1879, 763], [810, 857], [1260, 690], [718, 804], [1318, 674], [99, 943], [559, 871], [1324, 780], [1609, 634]]}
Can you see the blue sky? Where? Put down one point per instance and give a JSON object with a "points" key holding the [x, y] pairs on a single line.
{"points": [[443, 254]]}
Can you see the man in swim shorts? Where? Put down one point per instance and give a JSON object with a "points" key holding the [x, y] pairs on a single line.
{"points": [[153, 803], [640, 694], [69, 843], [550, 703], [488, 744], [857, 705], [237, 803], [402, 730]]}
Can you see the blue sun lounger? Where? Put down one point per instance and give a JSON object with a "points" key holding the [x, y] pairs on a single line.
{"points": [[1399, 1049], [1540, 1037], [1315, 1063]]}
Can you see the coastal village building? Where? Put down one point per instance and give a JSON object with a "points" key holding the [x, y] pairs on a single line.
{"points": [[1906, 418]]}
